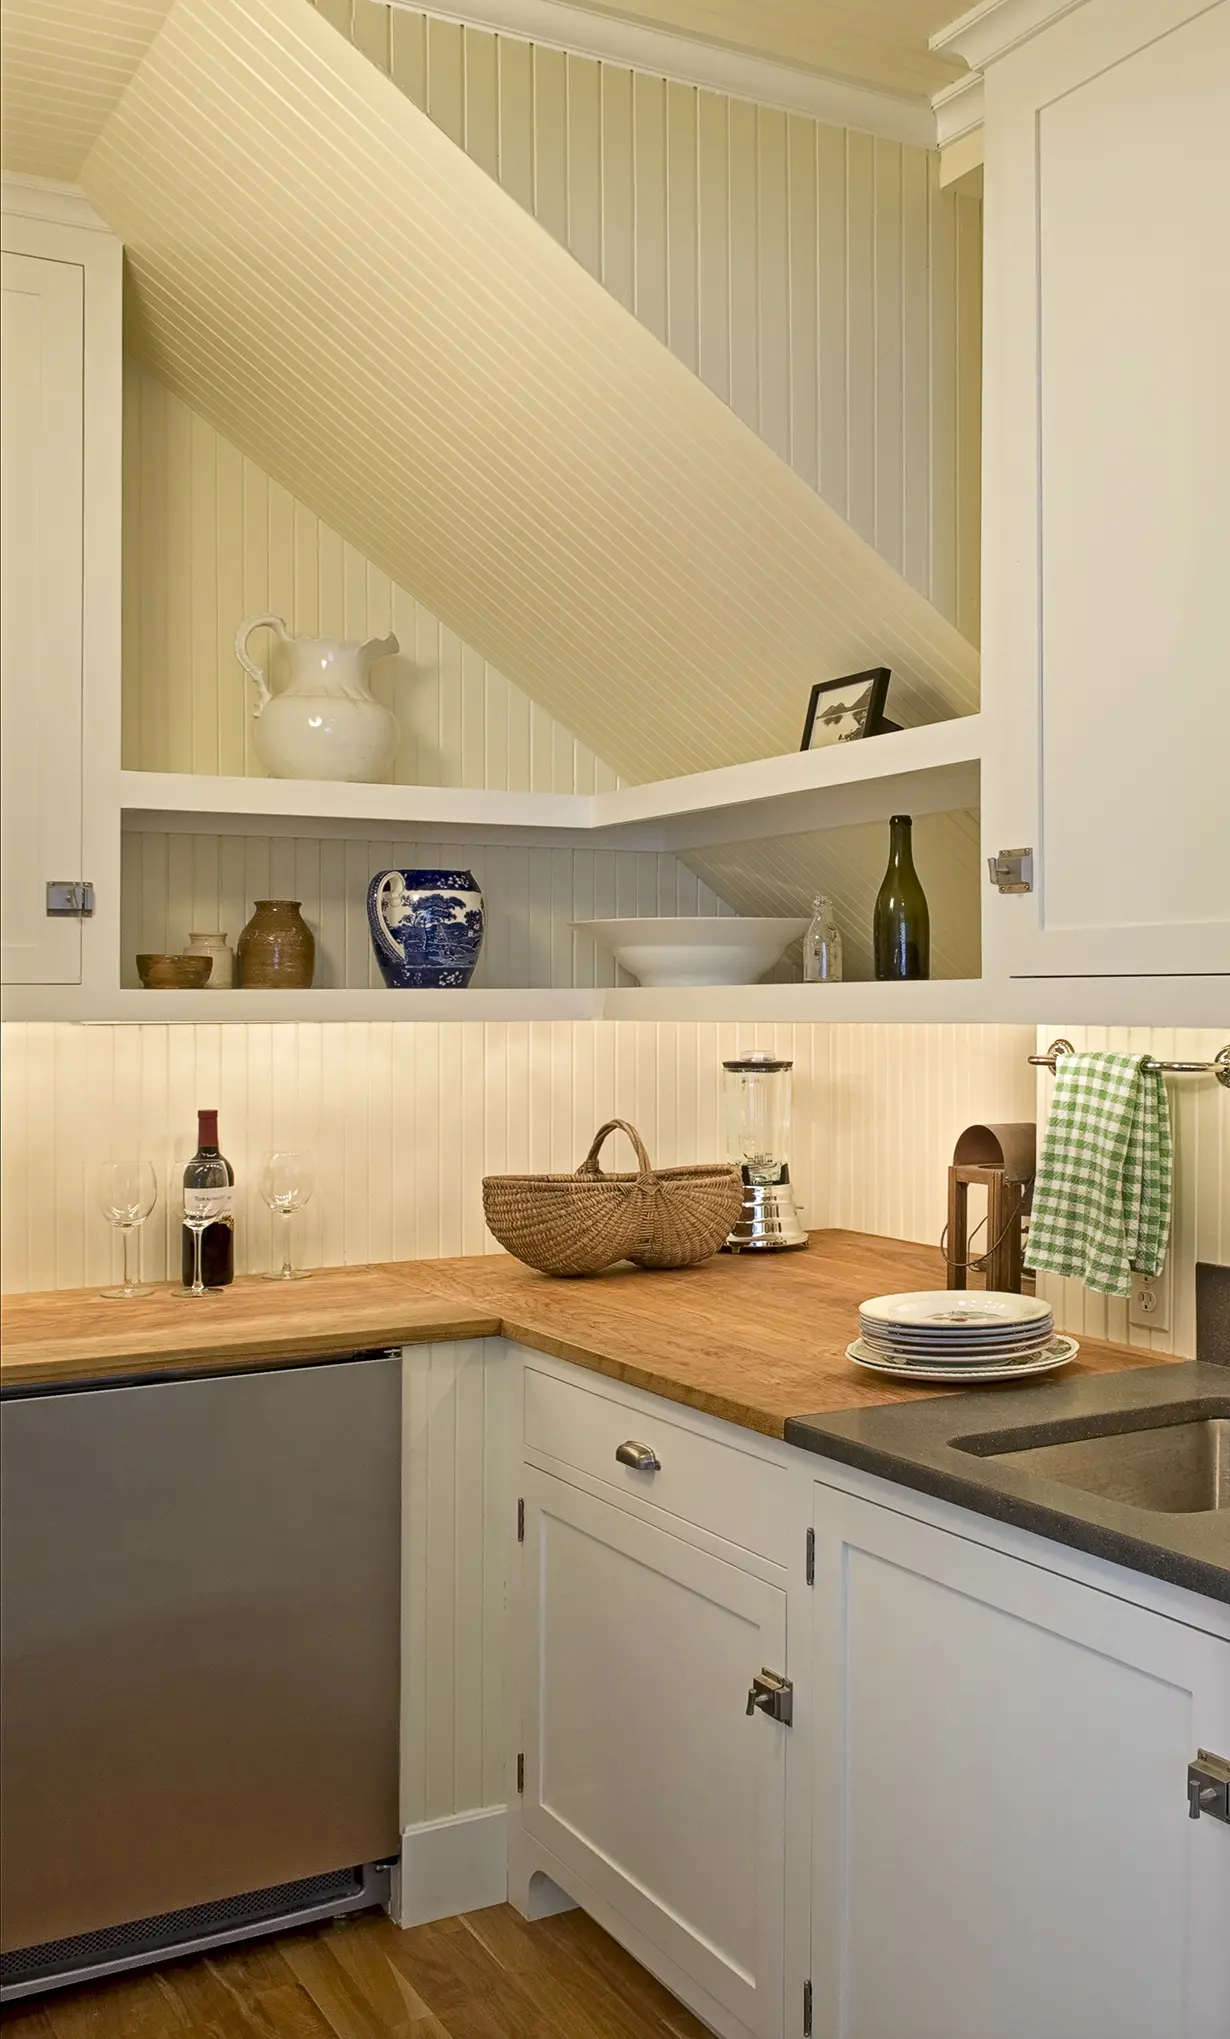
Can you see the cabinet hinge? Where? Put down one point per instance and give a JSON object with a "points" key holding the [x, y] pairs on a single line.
{"points": [[521, 1773], [807, 2010], [69, 899], [811, 1557], [521, 1522]]}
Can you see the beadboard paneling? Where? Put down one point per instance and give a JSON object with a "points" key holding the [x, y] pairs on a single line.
{"points": [[457, 1410], [1200, 1226], [64, 65], [174, 884], [209, 540], [818, 280], [406, 1117], [475, 414]]}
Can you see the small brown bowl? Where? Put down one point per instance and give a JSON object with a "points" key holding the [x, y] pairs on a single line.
{"points": [[174, 973]]}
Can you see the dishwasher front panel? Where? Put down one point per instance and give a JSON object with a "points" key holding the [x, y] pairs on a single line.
{"points": [[200, 1641]]}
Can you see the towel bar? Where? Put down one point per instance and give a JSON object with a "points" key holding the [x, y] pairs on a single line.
{"points": [[1218, 1067]]}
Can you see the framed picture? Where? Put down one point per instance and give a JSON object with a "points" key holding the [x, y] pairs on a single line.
{"points": [[840, 711]]}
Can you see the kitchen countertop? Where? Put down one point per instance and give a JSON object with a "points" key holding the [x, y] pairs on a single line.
{"points": [[757, 1342], [921, 1446], [754, 1341]]}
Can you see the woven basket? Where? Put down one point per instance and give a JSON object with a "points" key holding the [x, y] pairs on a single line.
{"points": [[578, 1224]]}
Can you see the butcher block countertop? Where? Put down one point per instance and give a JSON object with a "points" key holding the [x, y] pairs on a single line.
{"points": [[755, 1341]]}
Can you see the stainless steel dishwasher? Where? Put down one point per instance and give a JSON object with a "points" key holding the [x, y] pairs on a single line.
{"points": [[199, 1619]]}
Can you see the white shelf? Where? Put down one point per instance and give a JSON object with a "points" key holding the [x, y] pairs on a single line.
{"points": [[917, 771], [1083, 1001]]}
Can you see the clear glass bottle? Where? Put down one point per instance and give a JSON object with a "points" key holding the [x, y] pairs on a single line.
{"points": [[822, 945]]}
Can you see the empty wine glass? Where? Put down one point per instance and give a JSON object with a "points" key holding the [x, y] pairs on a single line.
{"points": [[127, 1193], [288, 1179], [205, 1198]]}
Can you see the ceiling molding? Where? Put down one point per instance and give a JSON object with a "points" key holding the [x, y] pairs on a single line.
{"points": [[959, 109], [46, 198], [992, 28], [611, 39]]}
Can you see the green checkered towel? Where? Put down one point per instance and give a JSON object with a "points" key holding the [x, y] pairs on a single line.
{"points": [[1102, 1197]]}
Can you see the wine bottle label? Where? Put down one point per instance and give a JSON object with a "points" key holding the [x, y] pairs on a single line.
{"points": [[208, 1205]]}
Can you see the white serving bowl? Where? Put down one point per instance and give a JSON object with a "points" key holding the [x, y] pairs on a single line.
{"points": [[698, 949]]}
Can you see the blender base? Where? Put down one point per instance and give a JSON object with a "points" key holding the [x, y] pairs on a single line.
{"points": [[769, 1221]]}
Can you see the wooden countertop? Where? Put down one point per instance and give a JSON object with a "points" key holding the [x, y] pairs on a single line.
{"points": [[751, 1340]]}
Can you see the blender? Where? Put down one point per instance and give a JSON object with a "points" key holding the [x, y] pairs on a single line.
{"points": [[758, 1137]]}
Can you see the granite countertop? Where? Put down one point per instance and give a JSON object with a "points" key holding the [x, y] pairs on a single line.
{"points": [[951, 1449]]}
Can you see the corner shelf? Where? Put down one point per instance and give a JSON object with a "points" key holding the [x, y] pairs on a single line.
{"points": [[919, 771]]}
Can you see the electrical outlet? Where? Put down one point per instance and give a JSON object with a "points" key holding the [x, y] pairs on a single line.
{"points": [[1149, 1301]]}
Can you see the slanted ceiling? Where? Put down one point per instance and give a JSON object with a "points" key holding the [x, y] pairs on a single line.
{"points": [[324, 275], [64, 65]]}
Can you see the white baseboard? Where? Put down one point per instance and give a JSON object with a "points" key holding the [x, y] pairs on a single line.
{"points": [[458, 1864]]}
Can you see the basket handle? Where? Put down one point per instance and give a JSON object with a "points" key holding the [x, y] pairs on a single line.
{"points": [[590, 1164]]}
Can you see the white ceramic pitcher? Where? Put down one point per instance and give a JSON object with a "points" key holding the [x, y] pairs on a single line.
{"points": [[325, 723]]}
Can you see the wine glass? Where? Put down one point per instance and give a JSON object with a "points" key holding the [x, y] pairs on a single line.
{"points": [[206, 1198], [127, 1193], [288, 1179]]}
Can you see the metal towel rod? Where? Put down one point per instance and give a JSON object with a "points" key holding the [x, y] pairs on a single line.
{"points": [[1218, 1067]]}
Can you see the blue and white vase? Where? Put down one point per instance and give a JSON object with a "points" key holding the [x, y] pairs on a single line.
{"points": [[426, 928]]}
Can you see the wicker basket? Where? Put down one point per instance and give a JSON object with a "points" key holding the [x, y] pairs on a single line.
{"points": [[579, 1224]]}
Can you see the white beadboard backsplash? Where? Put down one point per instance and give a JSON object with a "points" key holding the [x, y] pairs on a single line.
{"points": [[176, 884], [406, 1117], [1200, 1226]]}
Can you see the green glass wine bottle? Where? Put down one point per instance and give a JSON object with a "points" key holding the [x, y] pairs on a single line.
{"points": [[901, 936]]}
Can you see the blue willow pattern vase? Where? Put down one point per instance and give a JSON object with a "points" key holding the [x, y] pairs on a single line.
{"points": [[426, 928]]}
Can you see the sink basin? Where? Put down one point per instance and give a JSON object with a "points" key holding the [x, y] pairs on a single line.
{"points": [[1178, 1468]]}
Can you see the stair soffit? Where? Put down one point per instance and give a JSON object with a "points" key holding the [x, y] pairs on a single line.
{"points": [[403, 347]]}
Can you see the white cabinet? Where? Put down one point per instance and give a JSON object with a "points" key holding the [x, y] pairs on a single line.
{"points": [[1001, 1841], [644, 1774], [1107, 487], [60, 577]]}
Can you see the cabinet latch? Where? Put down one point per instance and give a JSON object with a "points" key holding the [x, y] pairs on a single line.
{"points": [[1012, 870], [69, 899], [772, 1695], [1208, 1787]]}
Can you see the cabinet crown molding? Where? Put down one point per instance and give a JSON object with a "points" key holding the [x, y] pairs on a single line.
{"points": [[44, 198], [992, 28]]}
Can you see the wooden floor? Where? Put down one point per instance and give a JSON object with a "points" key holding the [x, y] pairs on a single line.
{"points": [[488, 1975]]}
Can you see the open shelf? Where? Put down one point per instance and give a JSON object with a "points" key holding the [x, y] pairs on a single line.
{"points": [[916, 771]]}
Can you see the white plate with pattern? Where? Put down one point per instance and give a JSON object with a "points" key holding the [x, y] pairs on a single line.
{"points": [[949, 1309], [1060, 1352]]}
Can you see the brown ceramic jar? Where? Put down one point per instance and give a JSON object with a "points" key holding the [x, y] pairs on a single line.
{"points": [[277, 949]]}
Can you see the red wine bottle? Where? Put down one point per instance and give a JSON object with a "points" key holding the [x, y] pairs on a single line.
{"points": [[201, 1179], [901, 934]]}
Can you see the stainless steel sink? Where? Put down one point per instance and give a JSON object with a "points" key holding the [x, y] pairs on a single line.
{"points": [[1174, 1468]]}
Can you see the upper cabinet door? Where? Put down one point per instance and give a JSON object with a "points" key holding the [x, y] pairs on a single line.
{"points": [[1106, 676], [41, 595]]}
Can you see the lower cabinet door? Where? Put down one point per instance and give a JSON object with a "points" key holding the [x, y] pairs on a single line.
{"points": [[643, 1771], [1003, 1847]]}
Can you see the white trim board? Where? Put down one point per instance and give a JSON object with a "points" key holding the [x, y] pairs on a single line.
{"points": [[45, 198], [994, 27], [692, 62], [458, 1864]]}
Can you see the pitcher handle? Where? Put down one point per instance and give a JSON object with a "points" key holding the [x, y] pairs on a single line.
{"points": [[277, 625], [375, 914]]}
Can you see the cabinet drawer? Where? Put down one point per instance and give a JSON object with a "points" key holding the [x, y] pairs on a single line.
{"points": [[732, 1492]]}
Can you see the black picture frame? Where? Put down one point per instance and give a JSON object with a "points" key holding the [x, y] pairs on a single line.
{"points": [[874, 722]]}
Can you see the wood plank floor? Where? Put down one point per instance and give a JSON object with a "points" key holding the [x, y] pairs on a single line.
{"points": [[488, 1975]]}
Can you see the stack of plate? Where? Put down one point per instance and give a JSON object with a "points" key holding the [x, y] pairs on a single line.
{"points": [[959, 1335]]}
